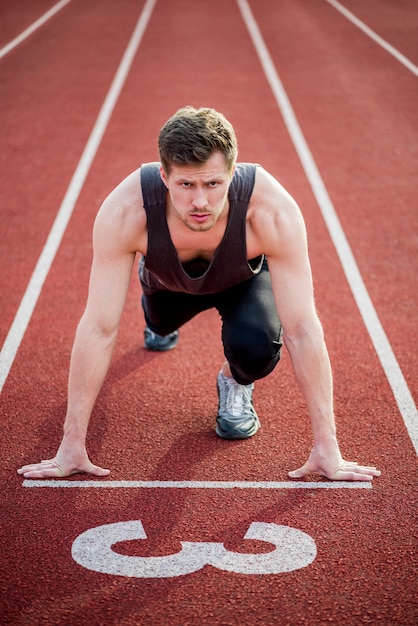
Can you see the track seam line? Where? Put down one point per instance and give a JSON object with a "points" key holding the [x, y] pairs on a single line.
{"points": [[193, 484], [32, 28], [46, 258], [373, 35], [394, 375]]}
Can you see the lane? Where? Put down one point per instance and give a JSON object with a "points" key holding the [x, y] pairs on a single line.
{"points": [[153, 422], [355, 280], [375, 37], [396, 22], [30, 298], [19, 15], [368, 160], [32, 28], [49, 107], [300, 597]]}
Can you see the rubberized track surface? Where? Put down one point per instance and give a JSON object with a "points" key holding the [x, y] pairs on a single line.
{"points": [[355, 103]]}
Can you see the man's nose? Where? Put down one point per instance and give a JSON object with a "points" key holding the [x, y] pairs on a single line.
{"points": [[200, 199]]}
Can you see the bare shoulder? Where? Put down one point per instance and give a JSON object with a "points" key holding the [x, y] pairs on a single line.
{"points": [[121, 218], [274, 220]]}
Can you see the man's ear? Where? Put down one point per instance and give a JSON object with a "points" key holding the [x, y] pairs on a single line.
{"points": [[163, 176]]}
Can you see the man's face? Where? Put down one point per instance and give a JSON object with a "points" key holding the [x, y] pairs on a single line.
{"points": [[199, 194]]}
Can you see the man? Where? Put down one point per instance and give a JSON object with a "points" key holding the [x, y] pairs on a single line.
{"points": [[212, 233]]}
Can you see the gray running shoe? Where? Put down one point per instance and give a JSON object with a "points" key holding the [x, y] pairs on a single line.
{"points": [[236, 418], [152, 341]]}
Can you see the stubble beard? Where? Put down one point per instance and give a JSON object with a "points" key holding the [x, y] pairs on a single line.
{"points": [[200, 228]]}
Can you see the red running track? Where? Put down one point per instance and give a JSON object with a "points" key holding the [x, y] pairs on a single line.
{"points": [[356, 105]]}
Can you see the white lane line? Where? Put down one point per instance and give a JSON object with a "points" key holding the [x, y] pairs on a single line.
{"points": [[371, 320], [33, 290], [381, 42], [192, 484], [31, 29]]}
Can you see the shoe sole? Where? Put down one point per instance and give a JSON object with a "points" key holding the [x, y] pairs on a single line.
{"points": [[160, 348], [237, 435], [163, 347]]}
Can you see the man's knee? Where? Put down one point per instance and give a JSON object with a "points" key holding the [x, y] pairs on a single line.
{"points": [[253, 353]]}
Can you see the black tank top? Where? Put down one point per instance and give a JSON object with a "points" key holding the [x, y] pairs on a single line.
{"points": [[161, 268]]}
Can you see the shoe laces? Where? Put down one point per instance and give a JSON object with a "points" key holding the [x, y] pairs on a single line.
{"points": [[239, 398]]}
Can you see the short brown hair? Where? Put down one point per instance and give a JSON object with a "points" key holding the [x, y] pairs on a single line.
{"points": [[191, 135]]}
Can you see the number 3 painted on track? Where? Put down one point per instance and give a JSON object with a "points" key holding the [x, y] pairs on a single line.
{"points": [[93, 550]]}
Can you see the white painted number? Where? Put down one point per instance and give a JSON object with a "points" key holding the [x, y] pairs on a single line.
{"points": [[93, 550]]}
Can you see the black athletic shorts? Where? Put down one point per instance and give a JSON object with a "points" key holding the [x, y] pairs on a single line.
{"points": [[251, 329]]}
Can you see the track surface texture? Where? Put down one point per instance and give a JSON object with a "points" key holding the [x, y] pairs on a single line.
{"points": [[355, 103]]}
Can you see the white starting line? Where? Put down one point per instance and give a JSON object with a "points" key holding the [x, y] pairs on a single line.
{"points": [[192, 484]]}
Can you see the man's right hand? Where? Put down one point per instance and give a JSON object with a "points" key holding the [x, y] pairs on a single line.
{"points": [[60, 468]]}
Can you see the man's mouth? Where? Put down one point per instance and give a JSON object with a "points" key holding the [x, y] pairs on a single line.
{"points": [[199, 217]]}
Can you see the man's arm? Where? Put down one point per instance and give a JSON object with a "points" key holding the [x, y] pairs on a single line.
{"points": [[282, 232], [114, 254]]}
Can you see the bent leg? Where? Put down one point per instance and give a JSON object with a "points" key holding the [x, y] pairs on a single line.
{"points": [[166, 311], [251, 329]]}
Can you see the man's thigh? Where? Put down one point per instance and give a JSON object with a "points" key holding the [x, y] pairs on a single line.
{"points": [[166, 311], [250, 304], [251, 329]]}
